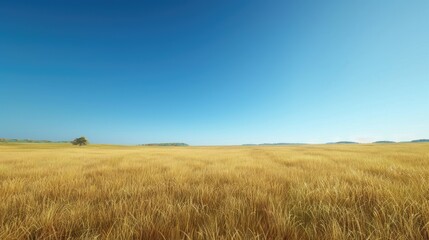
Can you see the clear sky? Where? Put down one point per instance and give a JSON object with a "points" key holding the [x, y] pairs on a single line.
{"points": [[214, 72]]}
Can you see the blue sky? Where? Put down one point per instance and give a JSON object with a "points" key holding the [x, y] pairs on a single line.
{"points": [[214, 72]]}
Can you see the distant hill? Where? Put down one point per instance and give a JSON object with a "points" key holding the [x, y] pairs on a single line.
{"points": [[273, 144], [13, 140], [343, 142], [420, 140], [165, 144], [384, 142]]}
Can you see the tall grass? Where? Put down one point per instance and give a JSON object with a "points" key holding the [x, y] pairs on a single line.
{"points": [[56, 191]]}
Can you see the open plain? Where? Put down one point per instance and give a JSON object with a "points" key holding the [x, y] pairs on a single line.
{"points": [[365, 191]]}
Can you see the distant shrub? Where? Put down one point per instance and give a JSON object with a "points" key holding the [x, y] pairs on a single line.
{"points": [[80, 141]]}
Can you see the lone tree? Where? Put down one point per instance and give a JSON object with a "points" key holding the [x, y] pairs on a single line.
{"points": [[80, 141]]}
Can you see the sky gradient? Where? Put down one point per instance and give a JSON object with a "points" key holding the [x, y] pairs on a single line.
{"points": [[214, 72]]}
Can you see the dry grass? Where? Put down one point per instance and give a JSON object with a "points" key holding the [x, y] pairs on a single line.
{"points": [[294, 192]]}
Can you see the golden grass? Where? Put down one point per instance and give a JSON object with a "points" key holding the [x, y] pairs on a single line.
{"points": [[56, 191]]}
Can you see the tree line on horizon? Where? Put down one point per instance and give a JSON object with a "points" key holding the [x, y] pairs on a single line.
{"points": [[81, 141]]}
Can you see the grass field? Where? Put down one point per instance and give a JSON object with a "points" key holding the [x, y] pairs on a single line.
{"points": [[57, 191]]}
